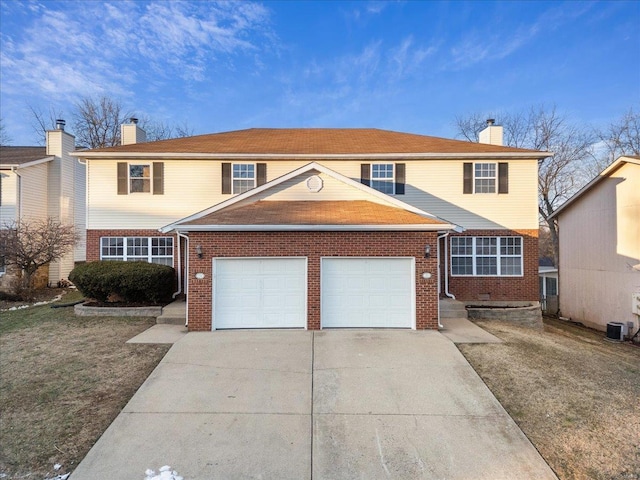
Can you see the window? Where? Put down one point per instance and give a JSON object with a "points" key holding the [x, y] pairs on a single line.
{"points": [[139, 178], [484, 177], [137, 249], [387, 178], [382, 177], [244, 177], [486, 256]]}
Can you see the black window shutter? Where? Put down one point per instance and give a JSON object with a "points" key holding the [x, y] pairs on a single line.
{"points": [[365, 174], [503, 177], [261, 177], [123, 178], [226, 178], [158, 178], [468, 178], [400, 178]]}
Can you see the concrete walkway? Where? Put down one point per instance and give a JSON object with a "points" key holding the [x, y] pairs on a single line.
{"points": [[335, 404]]}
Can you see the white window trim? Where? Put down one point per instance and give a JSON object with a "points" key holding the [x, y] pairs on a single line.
{"points": [[498, 257], [129, 177], [495, 178], [124, 257], [393, 177], [233, 178]]}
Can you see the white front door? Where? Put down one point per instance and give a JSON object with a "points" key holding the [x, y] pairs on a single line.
{"points": [[259, 293], [368, 292]]}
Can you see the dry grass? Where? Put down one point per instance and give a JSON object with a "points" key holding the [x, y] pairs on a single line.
{"points": [[574, 394], [64, 380]]}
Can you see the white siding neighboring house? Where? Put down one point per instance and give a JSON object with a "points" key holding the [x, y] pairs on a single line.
{"points": [[41, 182], [599, 261]]}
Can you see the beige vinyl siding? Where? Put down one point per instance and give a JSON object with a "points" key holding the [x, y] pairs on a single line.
{"points": [[8, 202], [194, 185], [599, 244], [33, 191]]}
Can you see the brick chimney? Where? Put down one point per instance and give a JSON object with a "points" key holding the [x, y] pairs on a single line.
{"points": [[492, 134], [131, 133]]}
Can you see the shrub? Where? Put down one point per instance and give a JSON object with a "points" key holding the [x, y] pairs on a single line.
{"points": [[134, 282]]}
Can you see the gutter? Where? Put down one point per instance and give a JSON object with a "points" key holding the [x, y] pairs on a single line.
{"points": [[310, 228]]}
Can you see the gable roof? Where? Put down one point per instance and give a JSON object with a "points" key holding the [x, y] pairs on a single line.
{"points": [[282, 143], [22, 156], [393, 214], [632, 159]]}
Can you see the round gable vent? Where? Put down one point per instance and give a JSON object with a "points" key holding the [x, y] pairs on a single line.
{"points": [[314, 183]]}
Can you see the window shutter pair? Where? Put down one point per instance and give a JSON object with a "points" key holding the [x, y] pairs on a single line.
{"points": [[400, 176], [503, 177], [227, 187], [157, 170]]}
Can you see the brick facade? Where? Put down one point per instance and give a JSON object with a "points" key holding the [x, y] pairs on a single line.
{"points": [[524, 288], [312, 245]]}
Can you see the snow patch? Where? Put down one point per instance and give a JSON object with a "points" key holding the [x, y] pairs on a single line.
{"points": [[165, 473], [37, 304]]}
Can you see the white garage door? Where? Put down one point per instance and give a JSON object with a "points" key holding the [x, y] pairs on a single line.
{"points": [[367, 292], [260, 293]]}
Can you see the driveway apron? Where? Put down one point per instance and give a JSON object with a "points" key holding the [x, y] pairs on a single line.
{"points": [[338, 404]]}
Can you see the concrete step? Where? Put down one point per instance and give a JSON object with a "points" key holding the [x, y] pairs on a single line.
{"points": [[173, 314], [450, 308]]}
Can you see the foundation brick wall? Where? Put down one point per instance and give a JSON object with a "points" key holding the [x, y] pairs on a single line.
{"points": [[525, 288], [312, 245]]}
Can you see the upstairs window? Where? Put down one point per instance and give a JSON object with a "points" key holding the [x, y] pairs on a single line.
{"points": [[139, 178], [382, 178], [244, 177], [387, 178], [484, 178]]}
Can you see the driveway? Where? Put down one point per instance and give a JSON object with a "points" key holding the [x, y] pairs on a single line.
{"points": [[334, 404]]}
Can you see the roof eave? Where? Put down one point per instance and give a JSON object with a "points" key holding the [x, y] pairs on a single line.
{"points": [[308, 228], [296, 156], [27, 164]]}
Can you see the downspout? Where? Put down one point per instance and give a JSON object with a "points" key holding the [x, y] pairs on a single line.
{"points": [[19, 192], [446, 268], [186, 273], [440, 237], [179, 291]]}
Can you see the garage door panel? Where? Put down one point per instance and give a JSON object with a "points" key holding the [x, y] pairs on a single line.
{"points": [[367, 292], [259, 293]]}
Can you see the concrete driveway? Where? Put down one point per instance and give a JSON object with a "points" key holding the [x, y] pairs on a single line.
{"points": [[341, 404]]}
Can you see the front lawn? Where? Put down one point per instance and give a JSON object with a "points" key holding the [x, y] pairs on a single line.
{"points": [[573, 393], [64, 379]]}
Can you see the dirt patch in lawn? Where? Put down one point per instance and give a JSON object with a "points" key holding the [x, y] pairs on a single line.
{"points": [[64, 380], [573, 393]]}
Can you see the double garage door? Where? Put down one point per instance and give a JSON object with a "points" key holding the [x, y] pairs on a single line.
{"points": [[354, 292]]}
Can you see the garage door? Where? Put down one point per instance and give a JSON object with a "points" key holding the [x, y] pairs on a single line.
{"points": [[260, 293], [367, 292]]}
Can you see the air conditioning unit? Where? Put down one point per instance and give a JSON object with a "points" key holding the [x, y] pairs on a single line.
{"points": [[616, 331]]}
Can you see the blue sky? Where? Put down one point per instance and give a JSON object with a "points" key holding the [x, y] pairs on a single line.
{"points": [[407, 66]]}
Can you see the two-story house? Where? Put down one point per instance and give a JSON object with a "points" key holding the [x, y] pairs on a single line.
{"points": [[316, 228], [41, 182]]}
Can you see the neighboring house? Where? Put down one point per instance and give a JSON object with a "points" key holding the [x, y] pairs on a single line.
{"points": [[315, 228], [599, 236], [41, 182], [548, 277]]}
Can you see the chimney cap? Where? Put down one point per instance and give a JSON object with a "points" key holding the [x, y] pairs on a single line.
{"points": [[60, 123], [133, 120], [491, 121]]}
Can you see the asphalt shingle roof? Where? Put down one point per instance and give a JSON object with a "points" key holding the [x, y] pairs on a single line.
{"points": [[338, 212], [311, 141], [21, 155]]}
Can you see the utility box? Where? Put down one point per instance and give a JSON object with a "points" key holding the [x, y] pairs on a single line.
{"points": [[635, 303], [616, 331]]}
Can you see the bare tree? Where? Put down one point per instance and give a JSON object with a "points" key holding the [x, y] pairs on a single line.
{"points": [[43, 121], [5, 139], [620, 138], [97, 122], [163, 131], [559, 176], [31, 244]]}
